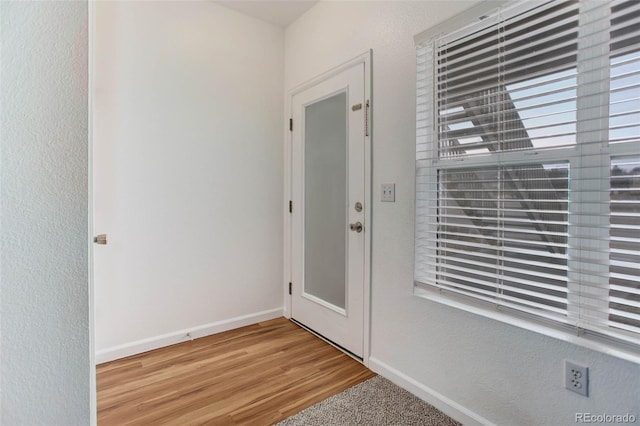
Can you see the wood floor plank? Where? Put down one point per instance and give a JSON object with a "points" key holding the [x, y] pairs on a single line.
{"points": [[257, 375]]}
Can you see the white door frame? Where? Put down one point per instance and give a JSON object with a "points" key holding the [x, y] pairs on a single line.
{"points": [[91, 71], [365, 59]]}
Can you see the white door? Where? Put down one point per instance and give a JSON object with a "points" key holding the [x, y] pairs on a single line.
{"points": [[328, 188]]}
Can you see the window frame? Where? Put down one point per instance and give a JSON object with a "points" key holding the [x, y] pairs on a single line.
{"points": [[588, 85]]}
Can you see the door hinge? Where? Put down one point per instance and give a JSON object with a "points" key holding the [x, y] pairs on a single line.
{"points": [[291, 124], [366, 118], [289, 288], [290, 206]]}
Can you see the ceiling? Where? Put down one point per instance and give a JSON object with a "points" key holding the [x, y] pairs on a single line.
{"points": [[277, 12]]}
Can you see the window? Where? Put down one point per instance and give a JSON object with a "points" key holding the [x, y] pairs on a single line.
{"points": [[528, 166]]}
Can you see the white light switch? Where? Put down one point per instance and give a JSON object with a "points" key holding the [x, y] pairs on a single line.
{"points": [[388, 192]]}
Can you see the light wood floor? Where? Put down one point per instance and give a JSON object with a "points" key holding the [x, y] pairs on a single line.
{"points": [[255, 375]]}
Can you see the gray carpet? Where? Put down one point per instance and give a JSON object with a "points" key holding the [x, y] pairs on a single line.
{"points": [[375, 402]]}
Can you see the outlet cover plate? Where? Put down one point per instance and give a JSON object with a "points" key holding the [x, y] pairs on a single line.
{"points": [[576, 378]]}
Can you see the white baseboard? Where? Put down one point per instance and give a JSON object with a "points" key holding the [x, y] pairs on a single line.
{"points": [[151, 343], [441, 402]]}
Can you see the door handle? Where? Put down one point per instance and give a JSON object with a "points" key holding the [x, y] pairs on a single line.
{"points": [[356, 227], [100, 239]]}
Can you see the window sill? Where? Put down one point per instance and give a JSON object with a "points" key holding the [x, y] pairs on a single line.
{"points": [[557, 331]]}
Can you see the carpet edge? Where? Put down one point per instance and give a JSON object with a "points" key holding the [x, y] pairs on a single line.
{"points": [[439, 401]]}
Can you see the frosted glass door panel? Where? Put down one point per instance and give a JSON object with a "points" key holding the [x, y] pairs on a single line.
{"points": [[325, 214]]}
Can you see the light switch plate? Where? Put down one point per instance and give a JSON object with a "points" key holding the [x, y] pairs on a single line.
{"points": [[388, 192]]}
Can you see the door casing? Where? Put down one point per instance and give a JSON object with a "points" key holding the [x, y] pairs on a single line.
{"points": [[365, 59]]}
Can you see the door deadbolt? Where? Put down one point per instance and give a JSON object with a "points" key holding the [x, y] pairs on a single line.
{"points": [[358, 207], [356, 227], [100, 239]]}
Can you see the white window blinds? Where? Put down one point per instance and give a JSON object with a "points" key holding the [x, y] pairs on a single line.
{"points": [[528, 164]]}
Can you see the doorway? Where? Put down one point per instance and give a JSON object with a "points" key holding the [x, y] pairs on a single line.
{"points": [[330, 208]]}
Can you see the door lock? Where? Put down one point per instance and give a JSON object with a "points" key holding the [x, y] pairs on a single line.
{"points": [[100, 239], [356, 227], [358, 207]]}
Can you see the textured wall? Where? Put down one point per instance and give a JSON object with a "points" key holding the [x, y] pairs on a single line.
{"points": [[44, 346], [188, 170], [500, 372]]}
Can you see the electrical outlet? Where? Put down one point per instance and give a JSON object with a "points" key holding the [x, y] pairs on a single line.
{"points": [[576, 378], [388, 192]]}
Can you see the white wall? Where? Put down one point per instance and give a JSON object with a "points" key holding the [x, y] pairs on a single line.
{"points": [[188, 172], [486, 370], [44, 338]]}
